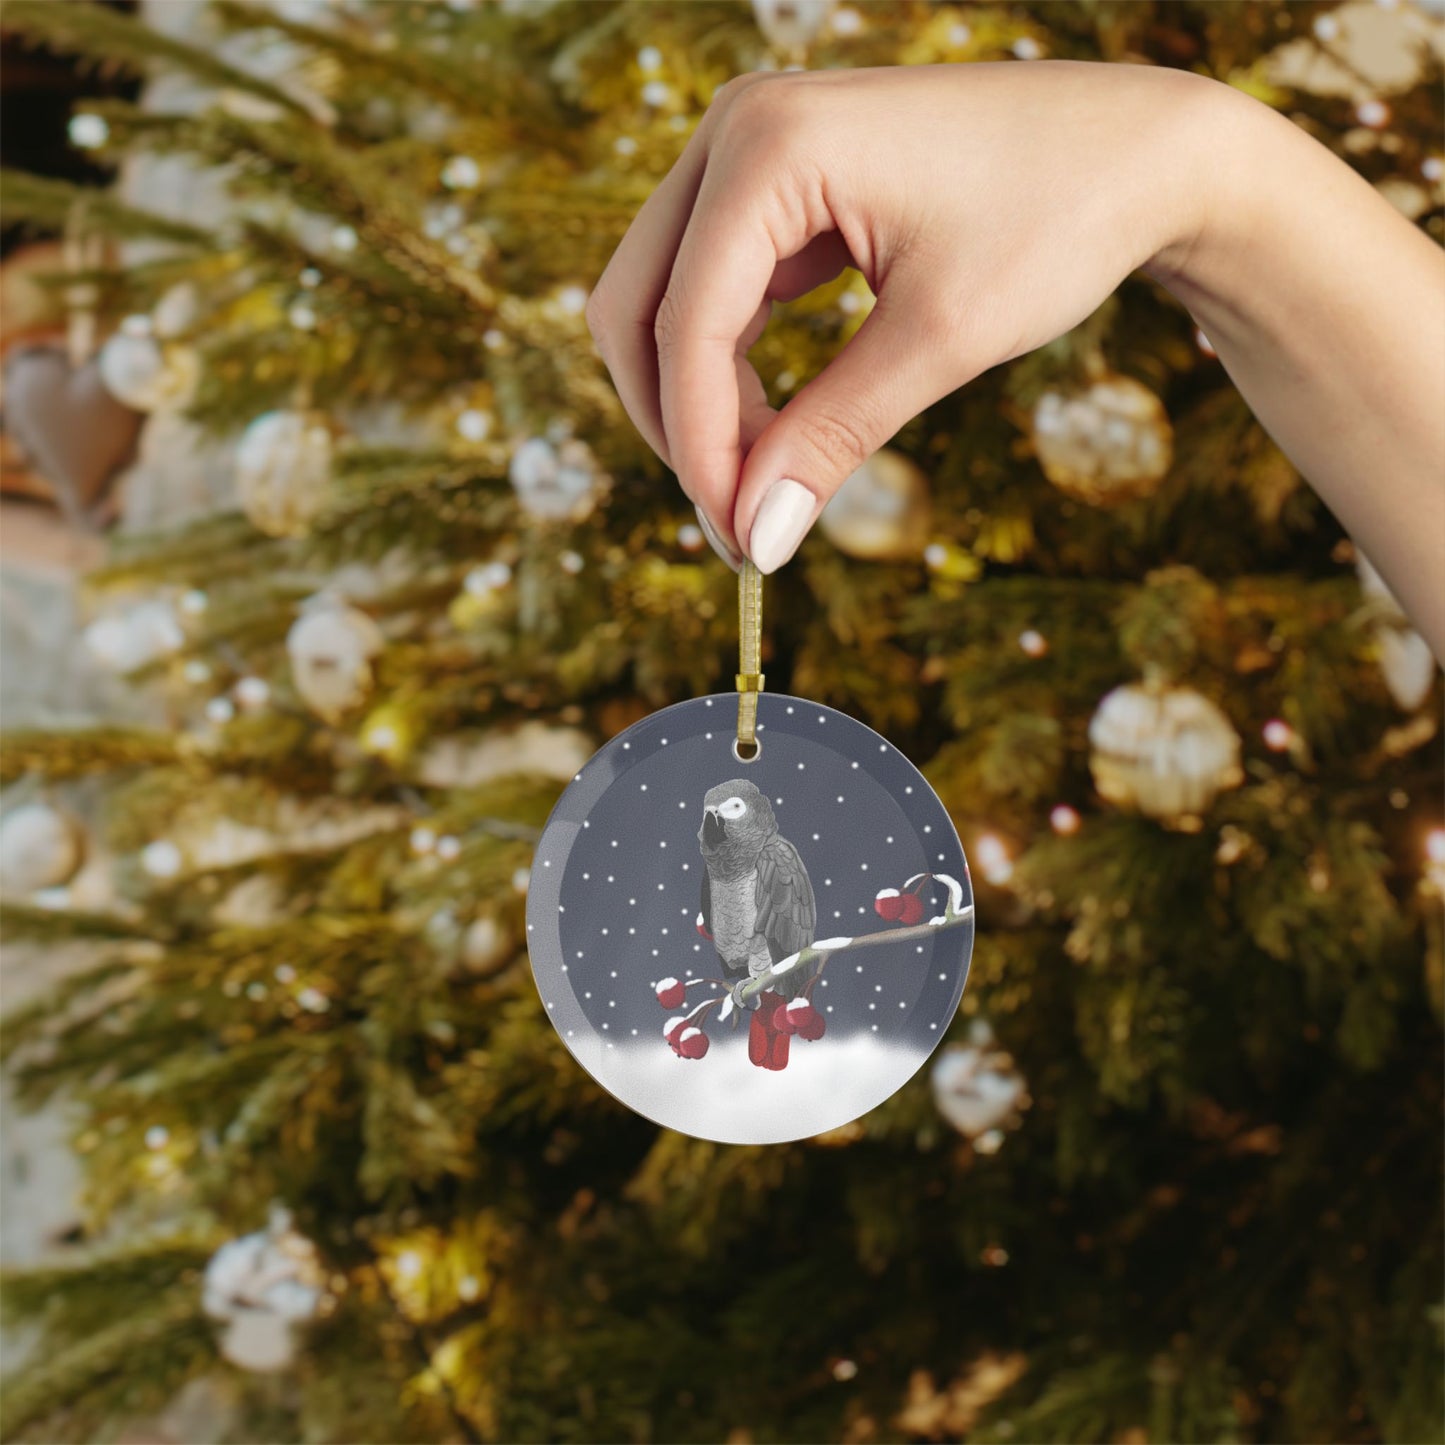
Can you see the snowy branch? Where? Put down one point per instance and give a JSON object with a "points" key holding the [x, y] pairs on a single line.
{"points": [[821, 951]]}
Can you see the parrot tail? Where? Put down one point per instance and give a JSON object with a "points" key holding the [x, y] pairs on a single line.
{"points": [[767, 1047]]}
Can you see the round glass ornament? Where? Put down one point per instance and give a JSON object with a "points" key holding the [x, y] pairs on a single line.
{"points": [[750, 950]]}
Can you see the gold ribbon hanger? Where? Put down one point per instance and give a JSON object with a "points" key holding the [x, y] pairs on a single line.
{"points": [[750, 647]]}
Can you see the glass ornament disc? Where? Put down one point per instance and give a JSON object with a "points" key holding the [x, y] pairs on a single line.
{"points": [[750, 951]]}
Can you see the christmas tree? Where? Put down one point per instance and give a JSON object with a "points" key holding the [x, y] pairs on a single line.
{"points": [[1176, 1173]]}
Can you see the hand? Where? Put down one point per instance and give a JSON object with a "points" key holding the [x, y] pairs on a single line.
{"points": [[990, 207]]}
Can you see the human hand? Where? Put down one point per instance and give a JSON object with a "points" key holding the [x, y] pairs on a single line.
{"points": [[990, 207]]}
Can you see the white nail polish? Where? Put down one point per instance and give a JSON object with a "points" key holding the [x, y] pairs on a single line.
{"points": [[716, 542], [782, 522]]}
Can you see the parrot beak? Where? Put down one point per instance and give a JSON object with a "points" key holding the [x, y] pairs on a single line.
{"points": [[714, 829]]}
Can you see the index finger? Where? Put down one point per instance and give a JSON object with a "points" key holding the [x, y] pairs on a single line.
{"points": [[718, 287]]}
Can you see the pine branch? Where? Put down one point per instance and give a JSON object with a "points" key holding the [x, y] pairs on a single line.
{"points": [[523, 111], [132, 1365], [51, 204], [114, 39], [81, 752]]}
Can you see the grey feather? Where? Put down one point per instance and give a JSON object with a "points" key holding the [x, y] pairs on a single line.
{"points": [[787, 913]]}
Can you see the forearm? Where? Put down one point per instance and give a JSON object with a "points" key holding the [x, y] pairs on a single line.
{"points": [[1327, 308]]}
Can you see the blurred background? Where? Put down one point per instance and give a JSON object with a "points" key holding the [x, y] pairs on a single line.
{"points": [[329, 555]]}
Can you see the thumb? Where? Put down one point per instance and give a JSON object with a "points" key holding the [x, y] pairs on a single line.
{"points": [[901, 360]]}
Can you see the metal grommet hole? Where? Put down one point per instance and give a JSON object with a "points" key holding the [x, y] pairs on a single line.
{"points": [[749, 757]]}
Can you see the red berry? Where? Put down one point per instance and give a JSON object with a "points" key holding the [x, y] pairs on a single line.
{"points": [[783, 1021], [910, 910], [672, 1032], [692, 1043], [888, 904], [670, 992], [812, 1027]]}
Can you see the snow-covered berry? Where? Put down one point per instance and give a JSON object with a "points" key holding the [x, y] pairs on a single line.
{"points": [[888, 903], [672, 1031], [783, 1020], [670, 992], [692, 1043], [910, 909], [801, 1019]]}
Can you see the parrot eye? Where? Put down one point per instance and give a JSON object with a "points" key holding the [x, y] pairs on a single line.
{"points": [[733, 808]]}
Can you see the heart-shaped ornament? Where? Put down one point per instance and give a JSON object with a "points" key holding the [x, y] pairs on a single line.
{"points": [[74, 431]]}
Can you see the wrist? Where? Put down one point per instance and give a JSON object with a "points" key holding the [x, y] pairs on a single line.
{"points": [[1220, 147]]}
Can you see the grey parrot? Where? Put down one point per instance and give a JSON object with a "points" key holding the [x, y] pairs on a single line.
{"points": [[757, 904]]}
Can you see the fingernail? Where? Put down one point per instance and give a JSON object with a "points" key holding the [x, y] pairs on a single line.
{"points": [[781, 524], [716, 542]]}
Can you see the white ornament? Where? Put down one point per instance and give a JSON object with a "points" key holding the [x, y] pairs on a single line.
{"points": [[88, 132], [1108, 443], [792, 25], [161, 859], [40, 847], [486, 945], [141, 373], [1405, 658], [175, 313], [555, 481], [261, 1287], [283, 470], [461, 173], [474, 425], [135, 637], [1164, 751], [331, 647], [489, 577], [252, 692], [977, 1088], [881, 512]]}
